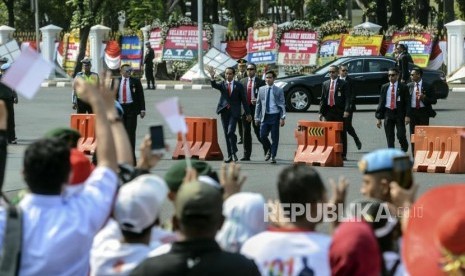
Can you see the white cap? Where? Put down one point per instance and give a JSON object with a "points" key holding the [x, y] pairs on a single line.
{"points": [[139, 201]]}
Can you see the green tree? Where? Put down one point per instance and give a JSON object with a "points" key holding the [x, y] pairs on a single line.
{"points": [[86, 14]]}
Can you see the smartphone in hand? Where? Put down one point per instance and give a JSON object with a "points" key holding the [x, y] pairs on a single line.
{"points": [[402, 171], [158, 140]]}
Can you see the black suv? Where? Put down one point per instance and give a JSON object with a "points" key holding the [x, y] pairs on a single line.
{"points": [[368, 74]]}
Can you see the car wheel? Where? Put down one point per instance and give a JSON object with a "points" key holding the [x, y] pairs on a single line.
{"points": [[298, 99]]}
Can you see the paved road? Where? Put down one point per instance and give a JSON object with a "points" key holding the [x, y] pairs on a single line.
{"points": [[52, 108]]}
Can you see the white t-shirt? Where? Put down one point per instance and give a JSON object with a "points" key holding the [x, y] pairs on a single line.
{"points": [[289, 252], [113, 257], [111, 230], [58, 231]]}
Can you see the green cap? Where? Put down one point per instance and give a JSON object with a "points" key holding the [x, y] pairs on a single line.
{"points": [[67, 134], [175, 175], [197, 200]]}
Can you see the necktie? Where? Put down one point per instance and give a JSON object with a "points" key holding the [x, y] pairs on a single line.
{"points": [[124, 91], [393, 97], [267, 110], [249, 92], [331, 94], [417, 97], [229, 89]]}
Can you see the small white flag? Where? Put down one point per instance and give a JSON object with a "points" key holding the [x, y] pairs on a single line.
{"points": [[170, 110], [27, 73]]}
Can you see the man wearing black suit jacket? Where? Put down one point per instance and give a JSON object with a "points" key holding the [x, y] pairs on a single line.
{"points": [[335, 103], [421, 98], [131, 97], [229, 107], [394, 108], [348, 127], [402, 62], [251, 84]]}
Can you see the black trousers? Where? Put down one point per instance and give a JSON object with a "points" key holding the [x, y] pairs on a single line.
{"points": [[83, 107], [130, 124], [229, 123], [419, 117], [336, 115], [394, 121], [11, 133], [149, 75], [247, 126]]}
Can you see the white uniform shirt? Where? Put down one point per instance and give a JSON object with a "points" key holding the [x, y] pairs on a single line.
{"points": [[388, 95], [58, 231], [288, 253], [113, 257], [414, 94], [128, 92]]}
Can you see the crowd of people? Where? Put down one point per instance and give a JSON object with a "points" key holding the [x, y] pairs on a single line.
{"points": [[102, 217]]}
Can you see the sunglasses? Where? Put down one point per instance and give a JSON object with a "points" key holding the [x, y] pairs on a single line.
{"points": [[250, 69], [392, 75]]}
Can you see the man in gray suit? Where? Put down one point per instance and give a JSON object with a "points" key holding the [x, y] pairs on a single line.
{"points": [[271, 114]]}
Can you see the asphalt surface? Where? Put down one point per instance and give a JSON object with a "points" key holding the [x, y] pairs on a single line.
{"points": [[52, 108]]}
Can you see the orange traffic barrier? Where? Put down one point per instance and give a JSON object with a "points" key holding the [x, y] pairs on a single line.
{"points": [[319, 143], [439, 149], [202, 140], [85, 124]]}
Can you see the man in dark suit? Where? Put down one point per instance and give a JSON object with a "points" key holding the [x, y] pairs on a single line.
{"points": [[394, 108], [348, 127], [403, 59], [148, 65], [131, 97], [240, 74], [251, 84], [270, 114], [335, 103], [421, 98], [229, 107]]}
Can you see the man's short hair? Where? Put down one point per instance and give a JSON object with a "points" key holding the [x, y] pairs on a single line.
{"points": [[402, 46], [394, 69], [300, 184], [418, 70], [273, 73], [230, 68], [47, 166], [334, 66]]}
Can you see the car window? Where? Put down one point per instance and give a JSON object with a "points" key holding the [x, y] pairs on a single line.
{"points": [[378, 65], [355, 66]]}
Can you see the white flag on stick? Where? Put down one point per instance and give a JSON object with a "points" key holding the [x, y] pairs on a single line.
{"points": [[170, 110], [27, 73]]}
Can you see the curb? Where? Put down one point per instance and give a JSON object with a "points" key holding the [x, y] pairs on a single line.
{"points": [[458, 89], [157, 86]]}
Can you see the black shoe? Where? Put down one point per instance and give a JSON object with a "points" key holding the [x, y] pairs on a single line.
{"points": [[268, 156], [273, 160], [234, 156], [245, 159], [240, 142], [359, 144], [14, 142], [344, 158], [228, 160]]}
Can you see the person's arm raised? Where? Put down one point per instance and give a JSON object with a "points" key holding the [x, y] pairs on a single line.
{"points": [[106, 152]]}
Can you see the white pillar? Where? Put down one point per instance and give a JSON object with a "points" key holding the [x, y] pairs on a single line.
{"points": [[97, 35], [49, 37], [219, 35], [6, 34], [455, 40], [146, 32]]}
